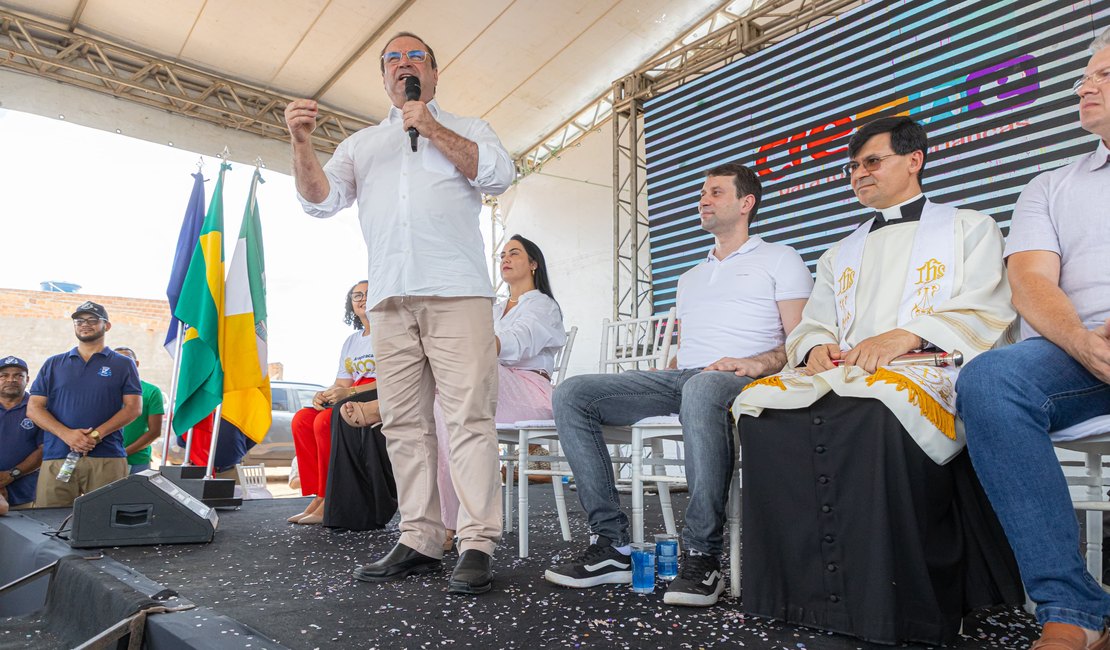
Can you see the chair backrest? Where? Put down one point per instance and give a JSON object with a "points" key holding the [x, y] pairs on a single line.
{"points": [[562, 358], [637, 343], [252, 475]]}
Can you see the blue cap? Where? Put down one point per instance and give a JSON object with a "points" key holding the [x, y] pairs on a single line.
{"points": [[6, 362]]}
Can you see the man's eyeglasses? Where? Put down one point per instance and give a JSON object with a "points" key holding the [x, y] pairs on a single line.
{"points": [[1096, 78], [870, 163], [414, 56], [358, 296], [91, 320]]}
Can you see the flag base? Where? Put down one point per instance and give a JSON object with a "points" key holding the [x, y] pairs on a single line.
{"points": [[213, 492]]}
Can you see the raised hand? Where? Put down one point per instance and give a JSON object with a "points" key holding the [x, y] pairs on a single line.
{"points": [[300, 117]]}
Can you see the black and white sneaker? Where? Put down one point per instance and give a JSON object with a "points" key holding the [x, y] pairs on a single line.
{"points": [[601, 564], [699, 582]]}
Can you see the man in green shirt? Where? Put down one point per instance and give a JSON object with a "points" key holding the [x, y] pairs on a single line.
{"points": [[140, 434]]}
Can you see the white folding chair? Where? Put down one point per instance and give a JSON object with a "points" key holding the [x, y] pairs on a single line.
{"points": [[1092, 439], [636, 344], [654, 430], [252, 479], [509, 435]]}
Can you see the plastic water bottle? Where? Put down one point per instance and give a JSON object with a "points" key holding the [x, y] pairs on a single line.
{"points": [[66, 472]]}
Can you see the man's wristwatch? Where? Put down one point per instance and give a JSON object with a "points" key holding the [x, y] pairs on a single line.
{"points": [[15, 472], [95, 435]]}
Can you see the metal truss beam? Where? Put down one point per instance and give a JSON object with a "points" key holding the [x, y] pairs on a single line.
{"points": [[598, 111], [38, 49], [631, 262], [696, 53]]}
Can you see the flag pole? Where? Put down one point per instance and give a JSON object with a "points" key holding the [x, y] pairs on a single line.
{"points": [[173, 395], [210, 472]]}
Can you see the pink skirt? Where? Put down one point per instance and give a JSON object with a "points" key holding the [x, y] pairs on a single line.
{"points": [[521, 395]]}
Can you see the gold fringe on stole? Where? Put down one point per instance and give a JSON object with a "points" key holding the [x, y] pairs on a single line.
{"points": [[944, 421], [770, 380]]}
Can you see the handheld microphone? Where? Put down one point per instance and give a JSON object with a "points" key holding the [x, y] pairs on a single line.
{"points": [[412, 93]]}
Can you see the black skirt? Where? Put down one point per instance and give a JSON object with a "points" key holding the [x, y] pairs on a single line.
{"points": [[361, 493], [848, 526]]}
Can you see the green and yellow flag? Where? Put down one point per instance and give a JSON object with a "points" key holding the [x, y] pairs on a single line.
{"points": [[247, 399], [200, 306]]}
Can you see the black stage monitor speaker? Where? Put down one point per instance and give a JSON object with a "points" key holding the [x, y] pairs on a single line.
{"points": [[144, 508]]}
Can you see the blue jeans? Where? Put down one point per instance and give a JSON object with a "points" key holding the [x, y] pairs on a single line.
{"points": [[1009, 399], [702, 399]]}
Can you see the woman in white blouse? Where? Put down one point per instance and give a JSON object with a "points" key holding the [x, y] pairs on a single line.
{"points": [[529, 329]]}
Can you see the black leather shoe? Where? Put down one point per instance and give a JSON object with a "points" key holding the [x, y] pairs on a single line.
{"points": [[399, 563], [472, 575]]}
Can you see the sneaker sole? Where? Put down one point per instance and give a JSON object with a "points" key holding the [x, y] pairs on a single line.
{"points": [[611, 578], [687, 599]]}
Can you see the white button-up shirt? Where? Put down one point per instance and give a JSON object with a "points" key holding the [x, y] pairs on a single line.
{"points": [[419, 214], [531, 334]]}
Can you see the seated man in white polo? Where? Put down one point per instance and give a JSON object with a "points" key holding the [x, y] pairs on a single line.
{"points": [[734, 309]]}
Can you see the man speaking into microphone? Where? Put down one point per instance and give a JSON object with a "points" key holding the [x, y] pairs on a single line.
{"points": [[418, 178]]}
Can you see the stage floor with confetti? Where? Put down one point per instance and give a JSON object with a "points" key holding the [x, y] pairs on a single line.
{"points": [[294, 585]]}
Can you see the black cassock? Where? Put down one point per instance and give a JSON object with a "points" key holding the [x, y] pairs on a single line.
{"points": [[361, 493], [848, 526]]}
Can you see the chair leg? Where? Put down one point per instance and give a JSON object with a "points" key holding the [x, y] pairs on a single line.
{"points": [[734, 534], [664, 490], [1094, 517], [509, 467], [637, 486], [522, 491], [560, 495]]}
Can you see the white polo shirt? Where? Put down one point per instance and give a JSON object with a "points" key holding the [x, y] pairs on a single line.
{"points": [[1065, 211], [729, 307]]}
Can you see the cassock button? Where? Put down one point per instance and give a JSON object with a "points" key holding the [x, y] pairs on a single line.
{"points": [[833, 598], [826, 508], [822, 479], [829, 539], [819, 449], [817, 420], [831, 566]]}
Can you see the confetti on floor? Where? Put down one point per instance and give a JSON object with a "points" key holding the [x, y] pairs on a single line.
{"points": [[294, 585]]}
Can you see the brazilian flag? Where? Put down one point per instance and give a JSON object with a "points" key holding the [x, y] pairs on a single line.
{"points": [[200, 382]]}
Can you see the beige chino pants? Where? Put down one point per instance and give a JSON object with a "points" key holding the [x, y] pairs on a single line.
{"points": [[422, 344], [90, 474]]}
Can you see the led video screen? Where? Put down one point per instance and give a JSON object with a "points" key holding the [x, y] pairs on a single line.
{"points": [[990, 80]]}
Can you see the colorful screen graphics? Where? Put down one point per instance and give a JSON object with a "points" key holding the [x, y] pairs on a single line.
{"points": [[990, 80]]}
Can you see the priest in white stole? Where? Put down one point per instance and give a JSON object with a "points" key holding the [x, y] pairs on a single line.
{"points": [[861, 512]]}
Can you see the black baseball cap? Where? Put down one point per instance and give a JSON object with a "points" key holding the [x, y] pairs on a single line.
{"points": [[90, 307], [8, 362]]}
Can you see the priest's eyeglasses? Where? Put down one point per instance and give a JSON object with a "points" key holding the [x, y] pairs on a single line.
{"points": [[91, 320], [414, 56], [870, 163], [1096, 79]]}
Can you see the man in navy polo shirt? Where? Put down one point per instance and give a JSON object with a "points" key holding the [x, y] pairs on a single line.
{"points": [[82, 399], [20, 439]]}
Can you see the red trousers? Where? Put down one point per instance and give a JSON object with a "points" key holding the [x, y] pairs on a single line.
{"points": [[312, 439]]}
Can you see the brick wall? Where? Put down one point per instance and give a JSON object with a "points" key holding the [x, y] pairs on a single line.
{"points": [[35, 325]]}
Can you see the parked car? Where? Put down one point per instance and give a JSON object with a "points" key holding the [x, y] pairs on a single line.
{"points": [[277, 447]]}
